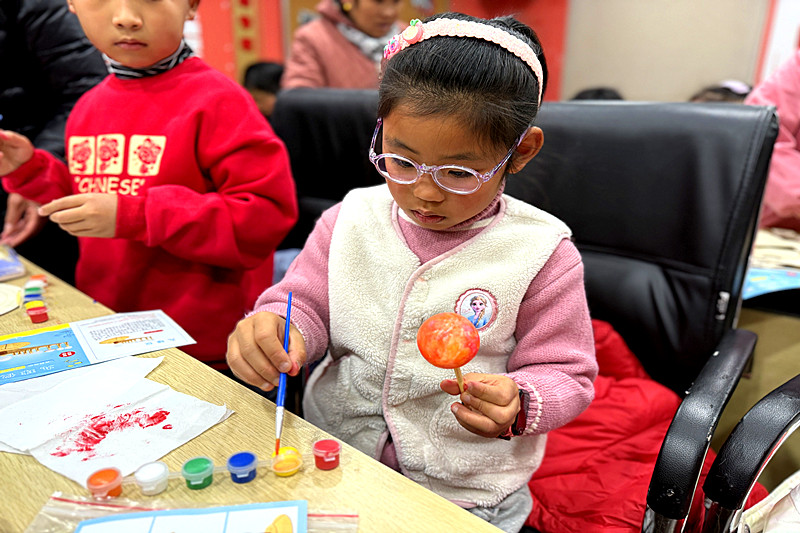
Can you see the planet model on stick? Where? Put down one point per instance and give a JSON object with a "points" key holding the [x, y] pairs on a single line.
{"points": [[448, 340]]}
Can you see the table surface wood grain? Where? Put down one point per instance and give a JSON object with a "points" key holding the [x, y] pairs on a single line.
{"points": [[383, 499]]}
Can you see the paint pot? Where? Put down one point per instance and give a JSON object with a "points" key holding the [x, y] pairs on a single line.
{"points": [[152, 478], [105, 483], [37, 314], [242, 467], [287, 461], [198, 472], [326, 454]]}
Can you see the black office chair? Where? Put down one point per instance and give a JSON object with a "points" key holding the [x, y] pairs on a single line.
{"points": [[745, 454], [328, 132], [663, 201]]}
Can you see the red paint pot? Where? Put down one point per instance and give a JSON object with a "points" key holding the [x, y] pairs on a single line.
{"points": [[326, 454]]}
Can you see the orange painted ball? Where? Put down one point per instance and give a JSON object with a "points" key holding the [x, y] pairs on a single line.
{"points": [[448, 340]]}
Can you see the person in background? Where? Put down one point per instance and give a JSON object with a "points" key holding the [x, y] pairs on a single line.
{"points": [[175, 185], [732, 91], [598, 93], [343, 47], [47, 64], [456, 111], [781, 205], [263, 81]]}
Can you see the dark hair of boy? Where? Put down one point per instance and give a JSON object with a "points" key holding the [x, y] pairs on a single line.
{"points": [[263, 75]]}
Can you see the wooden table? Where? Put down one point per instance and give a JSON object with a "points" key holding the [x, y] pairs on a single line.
{"points": [[384, 499]]}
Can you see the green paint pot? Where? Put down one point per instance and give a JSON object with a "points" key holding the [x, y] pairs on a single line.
{"points": [[198, 472]]}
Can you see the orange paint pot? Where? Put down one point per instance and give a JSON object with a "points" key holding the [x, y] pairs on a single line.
{"points": [[105, 483]]}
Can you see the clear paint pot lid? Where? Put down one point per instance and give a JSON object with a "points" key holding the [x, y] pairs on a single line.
{"points": [[327, 448], [151, 474], [197, 469], [242, 463], [103, 481], [287, 461]]}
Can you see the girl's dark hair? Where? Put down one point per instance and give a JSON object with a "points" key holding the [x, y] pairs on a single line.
{"points": [[493, 91]]}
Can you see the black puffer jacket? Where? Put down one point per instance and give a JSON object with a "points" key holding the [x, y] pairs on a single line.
{"points": [[46, 64]]}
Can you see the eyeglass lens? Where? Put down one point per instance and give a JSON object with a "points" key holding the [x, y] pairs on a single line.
{"points": [[403, 170]]}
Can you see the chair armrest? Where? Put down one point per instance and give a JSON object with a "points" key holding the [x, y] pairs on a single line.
{"points": [[747, 450], [684, 449]]}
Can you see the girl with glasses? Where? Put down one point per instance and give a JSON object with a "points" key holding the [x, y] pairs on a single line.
{"points": [[457, 101]]}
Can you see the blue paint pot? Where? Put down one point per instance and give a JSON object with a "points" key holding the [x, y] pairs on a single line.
{"points": [[242, 467]]}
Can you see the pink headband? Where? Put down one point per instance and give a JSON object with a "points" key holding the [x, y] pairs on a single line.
{"points": [[418, 31]]}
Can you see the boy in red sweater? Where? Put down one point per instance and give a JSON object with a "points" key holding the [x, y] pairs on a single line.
{"points": [[175, 184]]}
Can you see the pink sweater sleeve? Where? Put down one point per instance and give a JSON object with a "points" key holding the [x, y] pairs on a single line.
{"points": [[554, 358], [782, 90], [307, 279]]}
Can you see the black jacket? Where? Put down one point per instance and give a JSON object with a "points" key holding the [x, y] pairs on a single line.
{"points": [[46, 64]]}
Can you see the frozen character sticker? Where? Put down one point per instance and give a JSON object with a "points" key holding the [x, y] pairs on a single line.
{"points": [[479, 306]]}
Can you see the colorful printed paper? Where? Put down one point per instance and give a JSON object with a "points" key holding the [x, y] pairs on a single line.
{"points": [[52, 349], [10, 265], [765, 280]]}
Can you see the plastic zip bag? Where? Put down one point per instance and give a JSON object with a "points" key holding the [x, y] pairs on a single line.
{"points": [[62, 513]]}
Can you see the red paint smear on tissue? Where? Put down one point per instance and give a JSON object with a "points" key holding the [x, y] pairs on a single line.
{"points": [[166, 426], [99, 427]]}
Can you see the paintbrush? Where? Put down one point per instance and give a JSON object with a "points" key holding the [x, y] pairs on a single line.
{"points": [[282, 381]]}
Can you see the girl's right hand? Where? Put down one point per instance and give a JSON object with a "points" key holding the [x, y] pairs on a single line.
{"points": [[15, 150], [255, 350]]}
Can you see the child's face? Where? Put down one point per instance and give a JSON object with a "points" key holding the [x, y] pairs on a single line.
{"points": [[439, 140], [374, 17], [136, 33]]}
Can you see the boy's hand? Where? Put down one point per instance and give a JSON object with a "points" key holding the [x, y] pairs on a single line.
{"points": [[490, 403], [92, 214], [15, 150], [255, 350], [22, 220]]}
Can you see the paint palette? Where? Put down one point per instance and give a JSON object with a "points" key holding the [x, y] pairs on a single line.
{"points": [[198, 473]]}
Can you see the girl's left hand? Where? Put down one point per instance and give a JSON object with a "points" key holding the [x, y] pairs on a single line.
{"points": [[490, 403], [84, 215]]}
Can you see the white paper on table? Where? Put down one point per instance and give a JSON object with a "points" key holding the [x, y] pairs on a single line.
{"points": [[111, 336], [10, 297], [130, 435], [28, 423]]}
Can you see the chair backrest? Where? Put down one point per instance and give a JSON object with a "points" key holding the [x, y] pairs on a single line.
{"points": [[327, 133], [663, 201]]}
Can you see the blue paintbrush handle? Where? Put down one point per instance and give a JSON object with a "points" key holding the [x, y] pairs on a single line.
{"points": [[282, 379]]}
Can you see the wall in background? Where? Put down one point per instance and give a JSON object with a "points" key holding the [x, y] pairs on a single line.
{"points": [[661, 50]]}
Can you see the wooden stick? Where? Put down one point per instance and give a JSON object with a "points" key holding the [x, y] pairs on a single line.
{"points": [[460, 379]]}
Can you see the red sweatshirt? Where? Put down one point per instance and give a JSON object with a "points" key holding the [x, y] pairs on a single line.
{"points": [[204, 193]]}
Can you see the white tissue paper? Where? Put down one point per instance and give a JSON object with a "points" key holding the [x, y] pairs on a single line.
{"points": [[107, 415]]}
